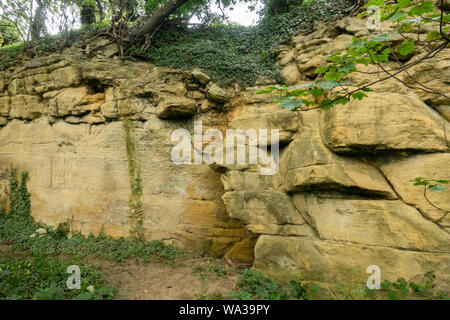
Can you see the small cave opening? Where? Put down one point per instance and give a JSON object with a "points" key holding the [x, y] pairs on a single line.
{"points": [[96, 86]]}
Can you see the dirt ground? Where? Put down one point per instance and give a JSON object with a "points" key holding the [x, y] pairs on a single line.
{"points": [[190, 279], [187, 279]]}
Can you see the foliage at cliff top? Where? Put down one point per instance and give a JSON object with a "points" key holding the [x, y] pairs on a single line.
{"points": [[227, 52], [231, 53]]}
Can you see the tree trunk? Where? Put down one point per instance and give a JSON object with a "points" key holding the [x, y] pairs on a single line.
{"points": [[158, 17]]}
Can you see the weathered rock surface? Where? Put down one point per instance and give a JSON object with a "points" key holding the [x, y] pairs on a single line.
{"points": [[401, 171], [308, 164], [175, 107], [87, 130], [302, 258], [377, 223], [381, 122]]}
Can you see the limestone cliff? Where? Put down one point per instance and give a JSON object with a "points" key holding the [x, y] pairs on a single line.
{"points": [[95, 135]]}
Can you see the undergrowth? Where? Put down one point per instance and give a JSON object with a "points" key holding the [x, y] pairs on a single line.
{"points": [[253, 285], [231, 53], [39, 277]]}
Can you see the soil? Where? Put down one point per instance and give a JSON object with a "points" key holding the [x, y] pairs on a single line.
{"points": [[189, 279], [159, 281]]}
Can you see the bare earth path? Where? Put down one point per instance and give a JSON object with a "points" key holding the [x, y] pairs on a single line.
{"points": [[190, 279], [187, 279]]}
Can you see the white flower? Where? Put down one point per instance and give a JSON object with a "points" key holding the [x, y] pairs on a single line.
{"points": [[90, 288], [41, 231], [33, 235]]}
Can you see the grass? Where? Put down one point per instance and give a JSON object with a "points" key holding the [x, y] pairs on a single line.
{"points": [[40, 277]]}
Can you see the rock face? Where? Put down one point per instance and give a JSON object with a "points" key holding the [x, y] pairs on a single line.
{"points": [[89, 132], [411, 125], [96, 129]]}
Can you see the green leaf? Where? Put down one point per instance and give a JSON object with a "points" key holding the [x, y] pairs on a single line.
{"points": [[347, 67], [404, 3], [264, 91], [321, 69], [436, 187], [297, 93], [316, 92], [433, 35], [398, 16], [291, 105], [392, 295], [328, 85], [83, 296], [358, 95], [378, 3], [406, 47], [419, 10], [332, 76]]}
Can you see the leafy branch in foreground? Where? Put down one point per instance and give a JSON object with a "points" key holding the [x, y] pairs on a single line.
{"points": [[432, 185], [378, 50]]}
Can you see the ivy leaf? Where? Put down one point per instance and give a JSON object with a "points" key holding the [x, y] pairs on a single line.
{"points": [[406, 47], [433, 35]]}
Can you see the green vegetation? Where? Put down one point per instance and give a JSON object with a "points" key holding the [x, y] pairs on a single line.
{"points": [[17, 227], [331, 85], [134, 172], [230, 53], [398, 290], [40, 277], [47, 44], [40, 273], [253, 285], [431, 184], [211, 268], [401, 289]]}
